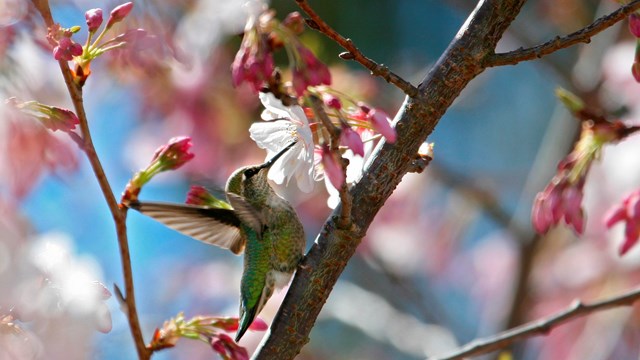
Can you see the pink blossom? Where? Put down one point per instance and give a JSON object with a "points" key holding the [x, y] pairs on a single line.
{"points": [[380, 122], [562, 197], [227, 348], [351, 139], [332, 167], [331, 101], [119, 13], [309, 71], [634, 24], [198, 195], [66, 49], [254, 61], [94, 19], [559, 200], [52, 117], [60, 119], [231, 324], [174, 154], [629, 213]]}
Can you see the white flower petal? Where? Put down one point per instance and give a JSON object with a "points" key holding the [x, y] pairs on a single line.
{"points": [[273, 107], [272, 136]]}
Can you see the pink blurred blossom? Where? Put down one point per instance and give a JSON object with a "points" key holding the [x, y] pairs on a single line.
{"points": [[627, 212], [30, 150]]}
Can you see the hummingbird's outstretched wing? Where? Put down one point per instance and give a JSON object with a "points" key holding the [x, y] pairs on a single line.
{"points": [[220, 227], [246, 212]]}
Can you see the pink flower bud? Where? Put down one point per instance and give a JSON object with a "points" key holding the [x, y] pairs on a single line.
{"points": [[174, 154], [119, 13], [332, 167], [352, 140], [380, 122], [634, 24], [631, 235], [331, 101], [227, 348], [258, 325], [198, 195], [66, 49], [94, 19], [60, 119], [540, 217]]}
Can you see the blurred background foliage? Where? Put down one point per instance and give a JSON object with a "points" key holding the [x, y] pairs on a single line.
{"points": [[451, 256]]}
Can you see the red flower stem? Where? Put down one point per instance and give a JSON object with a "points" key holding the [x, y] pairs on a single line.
{"points": [[119, 215]]}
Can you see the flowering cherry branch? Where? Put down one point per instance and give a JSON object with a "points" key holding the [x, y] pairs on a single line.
{"points": [[542, 326], [353, 53], [583, 35], [119, 215]]}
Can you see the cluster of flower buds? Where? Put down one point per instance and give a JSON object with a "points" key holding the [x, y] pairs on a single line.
{"points": [[66, 49], [52, 117], [170, 156], [629, 213], [562, 197], [210, 329], [263, 35]]}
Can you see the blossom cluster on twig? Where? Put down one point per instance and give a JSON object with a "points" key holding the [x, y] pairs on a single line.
{"points": [[561, 200]]}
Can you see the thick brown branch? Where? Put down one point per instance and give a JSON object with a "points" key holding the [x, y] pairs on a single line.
{"points": [[353, 53], [417, 118], [581, 36], [542, 326], [119, 215]]}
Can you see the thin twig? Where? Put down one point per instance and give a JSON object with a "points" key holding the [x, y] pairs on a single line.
{"points": [[353, 53], [542, 326], [583, 35], [119, 215]]}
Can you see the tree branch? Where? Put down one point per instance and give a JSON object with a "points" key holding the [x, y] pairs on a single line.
{"points": [[417, 118], [542, 326], [119, 215], [353, 53], [581, 36]]}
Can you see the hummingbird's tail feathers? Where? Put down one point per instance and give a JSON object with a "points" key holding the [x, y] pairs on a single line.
{"points": [[246, 319], [220, 227], [249, 313]]}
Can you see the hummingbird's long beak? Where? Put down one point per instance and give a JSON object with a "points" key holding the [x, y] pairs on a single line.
{"points": [[275, 157]]}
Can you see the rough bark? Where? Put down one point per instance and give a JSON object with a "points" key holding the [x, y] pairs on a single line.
{"points": [[460, 63]]}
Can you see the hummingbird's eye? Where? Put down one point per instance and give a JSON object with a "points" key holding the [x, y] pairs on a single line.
{"points": [[250, 172]]}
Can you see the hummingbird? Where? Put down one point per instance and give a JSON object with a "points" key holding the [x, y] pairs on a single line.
{"points": [[261, 224]]}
